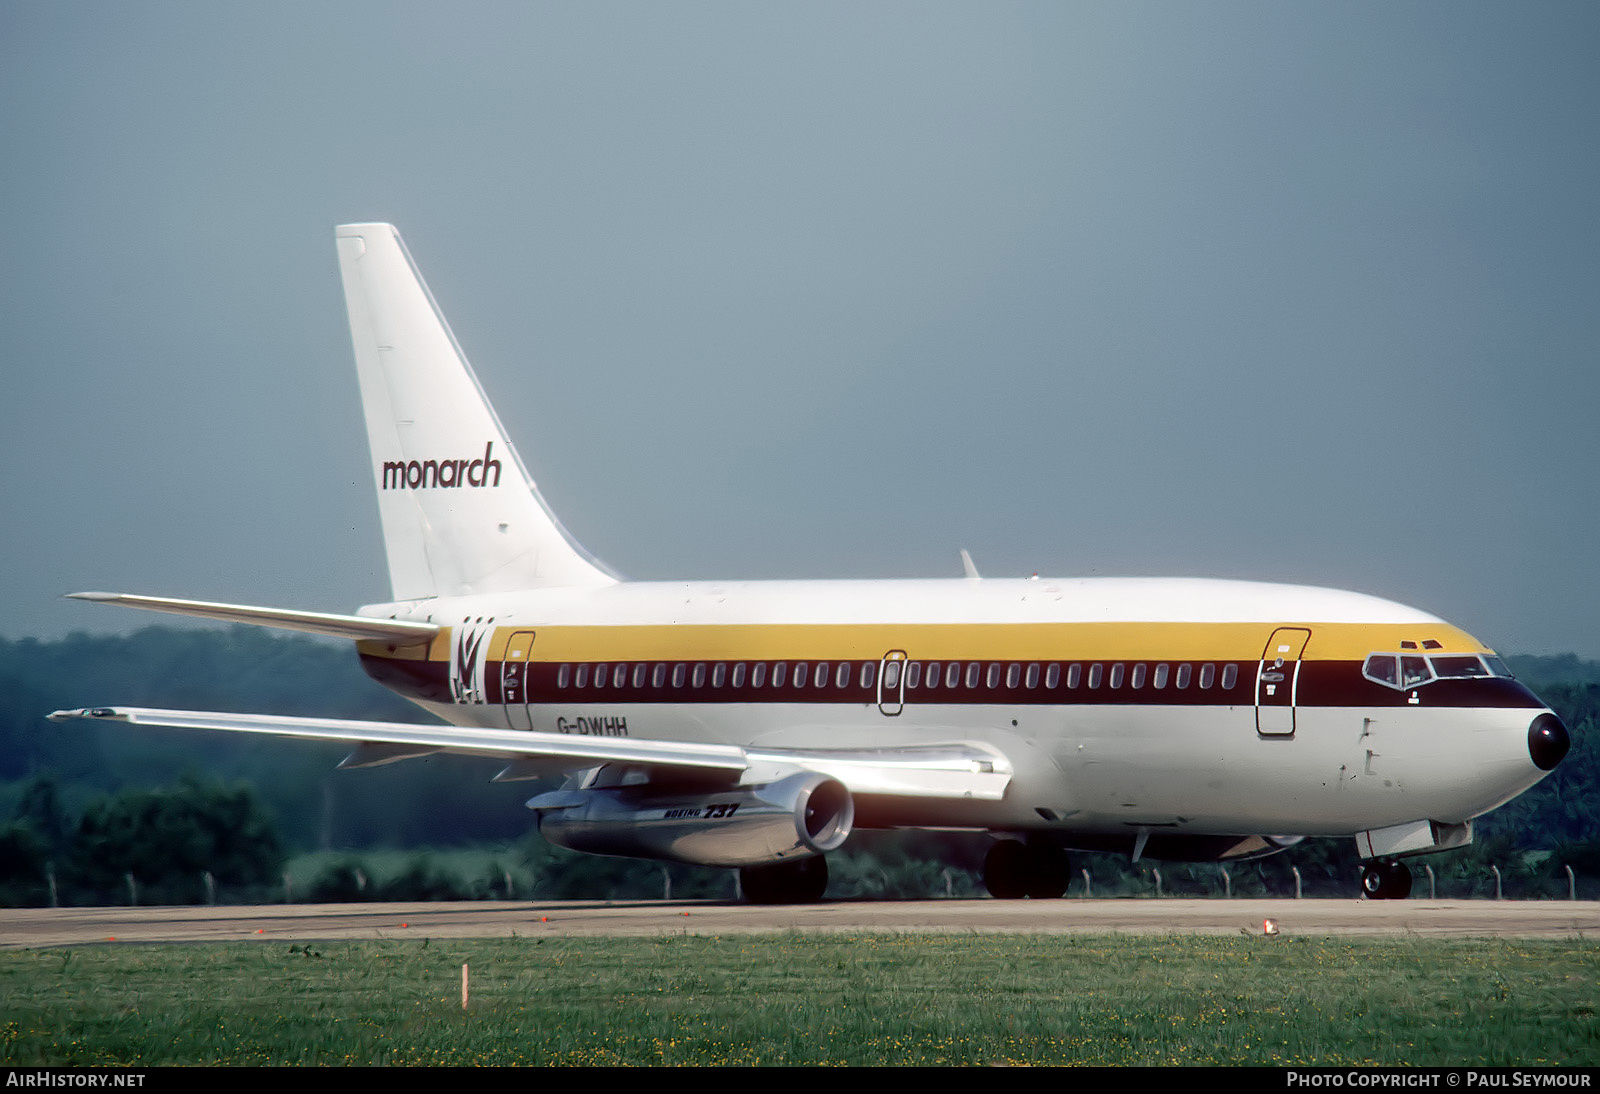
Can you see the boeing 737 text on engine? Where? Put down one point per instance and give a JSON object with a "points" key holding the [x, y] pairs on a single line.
{"points": [[757, 724]]}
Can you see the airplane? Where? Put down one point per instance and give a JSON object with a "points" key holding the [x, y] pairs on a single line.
{"points": [[755, 724]]}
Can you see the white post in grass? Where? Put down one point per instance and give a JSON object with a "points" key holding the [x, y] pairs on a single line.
{"points": [[463, 985]]}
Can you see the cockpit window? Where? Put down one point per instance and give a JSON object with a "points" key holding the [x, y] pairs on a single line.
{"points": [[1381, 668], [1414, 672], [1404, 671], [1458, 666]]}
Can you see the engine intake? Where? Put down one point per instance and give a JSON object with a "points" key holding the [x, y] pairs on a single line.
{"points": [[803, 814]]}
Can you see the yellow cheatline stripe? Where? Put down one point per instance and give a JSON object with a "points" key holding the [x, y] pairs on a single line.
{"points": [[953, 641]]}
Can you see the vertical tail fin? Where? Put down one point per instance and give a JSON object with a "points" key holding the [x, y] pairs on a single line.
{"points": [[460, 512]]}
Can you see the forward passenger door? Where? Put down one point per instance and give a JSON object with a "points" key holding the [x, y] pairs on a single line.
{"points": [[1277, 681]]}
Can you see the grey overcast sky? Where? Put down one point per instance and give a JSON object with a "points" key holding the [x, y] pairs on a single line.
{"points": [[1298, 292]]}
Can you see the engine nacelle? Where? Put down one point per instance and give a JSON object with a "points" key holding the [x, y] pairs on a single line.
{"points": [[794, 817]]}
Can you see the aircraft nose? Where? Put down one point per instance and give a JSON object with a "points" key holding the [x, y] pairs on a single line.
{"points": [[1548, 741]]}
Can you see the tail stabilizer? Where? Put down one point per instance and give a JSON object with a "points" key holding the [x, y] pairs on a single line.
{"points": [[460, 512], [395, 632]]}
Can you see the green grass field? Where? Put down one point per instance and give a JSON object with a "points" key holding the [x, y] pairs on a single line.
{"points": [[809, 999]]}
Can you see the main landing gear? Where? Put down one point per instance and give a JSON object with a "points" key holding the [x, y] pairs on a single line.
{"points": [[799, 881], [1013, 869], [1386, 881]]}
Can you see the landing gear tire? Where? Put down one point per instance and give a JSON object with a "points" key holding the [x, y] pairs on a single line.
{"points": [[1050, 872], [802, 881], [1013, 870], [1386, 881]]}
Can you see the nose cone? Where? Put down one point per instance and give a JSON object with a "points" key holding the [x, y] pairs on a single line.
{"points": [[1548, 741]]}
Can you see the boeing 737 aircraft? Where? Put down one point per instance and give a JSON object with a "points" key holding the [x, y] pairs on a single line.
{"points": [[756, 724]]}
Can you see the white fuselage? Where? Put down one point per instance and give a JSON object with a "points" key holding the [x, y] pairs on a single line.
{"points": [[1355, 756]]}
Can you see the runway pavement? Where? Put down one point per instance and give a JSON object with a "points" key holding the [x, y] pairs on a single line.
{"points": [[35, 927]]}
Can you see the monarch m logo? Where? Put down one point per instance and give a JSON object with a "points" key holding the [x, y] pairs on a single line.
{"points": [[416, 475]]}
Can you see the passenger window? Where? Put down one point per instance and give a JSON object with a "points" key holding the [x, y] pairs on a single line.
{"points": [[779, 671], [700, 674], [659, 677], [563, 675], [1116, 675], [841, 679], [914, 674], [758, 674], [738, 675], [973, 670], [952, 675], [1033, 676], [599, 676], [641, 672], [1230, 676], [1138, 676], [869, 673], [1074, 675], [993, 679], [619, 676], [1208, 675], [1161, 676], [1096, 673], [821, 678], [679, 672], [1013, 675], [891, 675], [719, 674], [799, 674], [1052, 675], [933, 675], [1185, 672], [583, 677]]}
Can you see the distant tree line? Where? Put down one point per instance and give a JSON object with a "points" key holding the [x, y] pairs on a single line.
{"points": [[191, 817]]}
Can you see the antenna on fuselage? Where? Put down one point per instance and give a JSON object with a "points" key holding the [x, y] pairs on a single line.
{"points": [[968, 568]]}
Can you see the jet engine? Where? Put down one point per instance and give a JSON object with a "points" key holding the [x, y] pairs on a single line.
{"points": [[794, 817]]}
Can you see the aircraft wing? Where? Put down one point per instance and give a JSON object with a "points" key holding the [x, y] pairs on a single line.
{"points": [[969, 770]]}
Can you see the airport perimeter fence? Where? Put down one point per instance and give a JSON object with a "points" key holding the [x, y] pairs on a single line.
{"points": [[434, 877]]}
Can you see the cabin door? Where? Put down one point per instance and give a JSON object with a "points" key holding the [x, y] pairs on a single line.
{"points": [[1277, 681], [514, 669]]}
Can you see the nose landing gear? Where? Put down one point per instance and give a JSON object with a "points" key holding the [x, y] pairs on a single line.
{"points": [[1386, 881]]}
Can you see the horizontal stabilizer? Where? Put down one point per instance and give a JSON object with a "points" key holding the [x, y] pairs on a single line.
{"points": [[396, 632]]}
